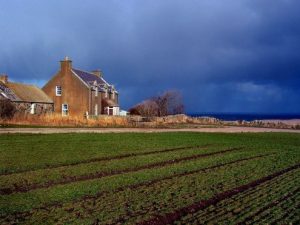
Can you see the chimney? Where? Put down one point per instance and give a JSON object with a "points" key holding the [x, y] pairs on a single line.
{"points": [[4, 78], [66, 64], [97, 72]]}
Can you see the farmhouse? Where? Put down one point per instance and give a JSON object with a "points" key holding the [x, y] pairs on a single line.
{"points": [[77, 92], [26, 98]]}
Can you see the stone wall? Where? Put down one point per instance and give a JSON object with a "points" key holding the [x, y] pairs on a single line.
{"points": [[40, 108], [173, 119]]}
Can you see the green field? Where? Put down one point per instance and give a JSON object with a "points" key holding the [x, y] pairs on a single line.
{"points": [[156, 178]]}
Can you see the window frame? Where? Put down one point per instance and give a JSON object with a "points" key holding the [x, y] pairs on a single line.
{"points": [[58, 90], [64, 111]]}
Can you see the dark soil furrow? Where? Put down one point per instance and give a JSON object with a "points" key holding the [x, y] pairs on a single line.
{"points": [[85, 177], [136, 186], [270, 205], [101, 159], [170, 218]]}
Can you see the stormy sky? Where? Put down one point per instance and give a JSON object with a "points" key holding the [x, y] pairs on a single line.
{"points": [[224, 56]]}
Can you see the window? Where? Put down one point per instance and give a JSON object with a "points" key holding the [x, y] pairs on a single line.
{"points": [[65, 109], [58, 90], [32, 108], [96, 91]]}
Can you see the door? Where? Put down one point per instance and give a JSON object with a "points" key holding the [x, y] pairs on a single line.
{"points": [[111, 111]]}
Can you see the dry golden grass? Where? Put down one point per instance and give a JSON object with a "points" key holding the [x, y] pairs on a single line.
{"points": [[56, 120], [68, 121]]}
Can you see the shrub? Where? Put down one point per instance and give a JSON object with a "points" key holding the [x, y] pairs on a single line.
{"points": [[7, 109]]}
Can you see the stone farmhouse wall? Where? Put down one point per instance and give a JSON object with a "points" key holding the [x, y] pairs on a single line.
{"points": [[40, 108]]}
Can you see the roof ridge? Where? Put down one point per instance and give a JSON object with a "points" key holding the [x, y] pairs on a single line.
{"points": [[77, 75], [20, 83], [85, 71], [80, 72]]}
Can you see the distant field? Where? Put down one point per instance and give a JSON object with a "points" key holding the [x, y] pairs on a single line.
{"points": [[154, 178]]}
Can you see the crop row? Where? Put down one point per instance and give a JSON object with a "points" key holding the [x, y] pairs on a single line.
{"points": [[73, 191], [25, 183], [143, 202], [282, 211], [252, 205], [103, 159], [195, 207], [55, 150]]}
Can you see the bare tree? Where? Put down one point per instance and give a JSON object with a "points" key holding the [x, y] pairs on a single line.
{"points": [[169, 103], [149, 108], [161, 102], [174, 102]]}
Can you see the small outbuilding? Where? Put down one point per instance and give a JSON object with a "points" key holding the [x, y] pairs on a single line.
{"points": [[26, 98]]}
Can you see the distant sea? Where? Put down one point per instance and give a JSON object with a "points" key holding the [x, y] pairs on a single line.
{"points": [[247, 116]]}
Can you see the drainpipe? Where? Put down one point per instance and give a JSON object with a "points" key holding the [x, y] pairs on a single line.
{"points": [[90, 100]]}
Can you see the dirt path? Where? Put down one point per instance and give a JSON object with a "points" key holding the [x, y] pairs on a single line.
{"points": [[142, 130]]}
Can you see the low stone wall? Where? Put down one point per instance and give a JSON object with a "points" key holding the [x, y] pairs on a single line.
{"points": [[40, 108], [174, 119], [184, 119]]}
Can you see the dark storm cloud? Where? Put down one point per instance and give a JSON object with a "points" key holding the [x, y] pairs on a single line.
{"points": [[223, 55]]}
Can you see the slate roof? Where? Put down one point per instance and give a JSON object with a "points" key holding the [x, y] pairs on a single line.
{"points": [[89, 78], [28, 93], [93, 81], [7, 93]]}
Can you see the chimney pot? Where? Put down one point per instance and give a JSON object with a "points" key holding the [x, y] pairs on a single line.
{"points": [[4, 78], [97, 72], [66, 64]]}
